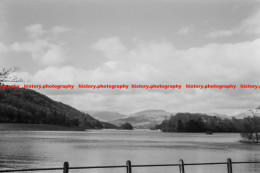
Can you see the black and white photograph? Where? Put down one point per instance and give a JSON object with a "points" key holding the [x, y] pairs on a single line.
{"points": [[130, 86]]}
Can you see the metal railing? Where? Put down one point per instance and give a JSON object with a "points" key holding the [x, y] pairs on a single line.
{"points": [[129, 166]]}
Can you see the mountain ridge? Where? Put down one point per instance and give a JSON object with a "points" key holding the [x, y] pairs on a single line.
{"points": [[143, 119], [151, 117], [105, 115]]}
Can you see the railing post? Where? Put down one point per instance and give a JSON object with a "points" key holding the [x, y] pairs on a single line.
{"points": [[66, 167], [181, 162], [229, 165], [128, 166]]}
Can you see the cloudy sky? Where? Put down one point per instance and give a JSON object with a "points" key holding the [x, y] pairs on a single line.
{"points": [[136, 42]]}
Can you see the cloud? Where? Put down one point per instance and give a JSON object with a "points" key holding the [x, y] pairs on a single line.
{"points": [[42, 51], [111, 47], [250, 25], [53, 56], [3, 47], [159, 62], [185, 30], [223, 33], [42, 46], [59, 29], [56, 75], [162, 61], [35, 30]]}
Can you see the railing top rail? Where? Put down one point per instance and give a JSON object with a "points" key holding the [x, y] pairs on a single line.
{"points": [[124, 166], [155, 165], [245, 162], [98, 167], [212, 163]]}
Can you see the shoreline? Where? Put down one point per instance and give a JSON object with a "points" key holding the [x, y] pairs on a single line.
{"points": [[248, 142], [36, 127]]}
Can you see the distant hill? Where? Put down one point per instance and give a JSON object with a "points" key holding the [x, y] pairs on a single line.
{"points": [[222, 116], [151, 118], [30, 107], [143, 119], [105, 115]]}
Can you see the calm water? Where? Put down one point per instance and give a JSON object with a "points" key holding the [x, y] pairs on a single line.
{"points": [[25, 149]]}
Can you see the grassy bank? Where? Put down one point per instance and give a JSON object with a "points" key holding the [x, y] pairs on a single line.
{"points": [[35, 127]]}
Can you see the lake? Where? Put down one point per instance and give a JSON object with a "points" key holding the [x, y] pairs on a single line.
{"points": [[37, 149]]}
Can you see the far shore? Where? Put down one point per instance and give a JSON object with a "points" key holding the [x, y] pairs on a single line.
{"points": [[249, 142], [35, 127]]}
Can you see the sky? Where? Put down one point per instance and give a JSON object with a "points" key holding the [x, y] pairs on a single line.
{"points": [[136, 42]]}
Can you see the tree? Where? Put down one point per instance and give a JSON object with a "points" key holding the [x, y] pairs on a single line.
{"points": [[8, 75], [180, 126], [195, 125], [126, 126], [251, 128]]}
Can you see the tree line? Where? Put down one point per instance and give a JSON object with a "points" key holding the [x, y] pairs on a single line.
{"points": [[188, 122]]}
